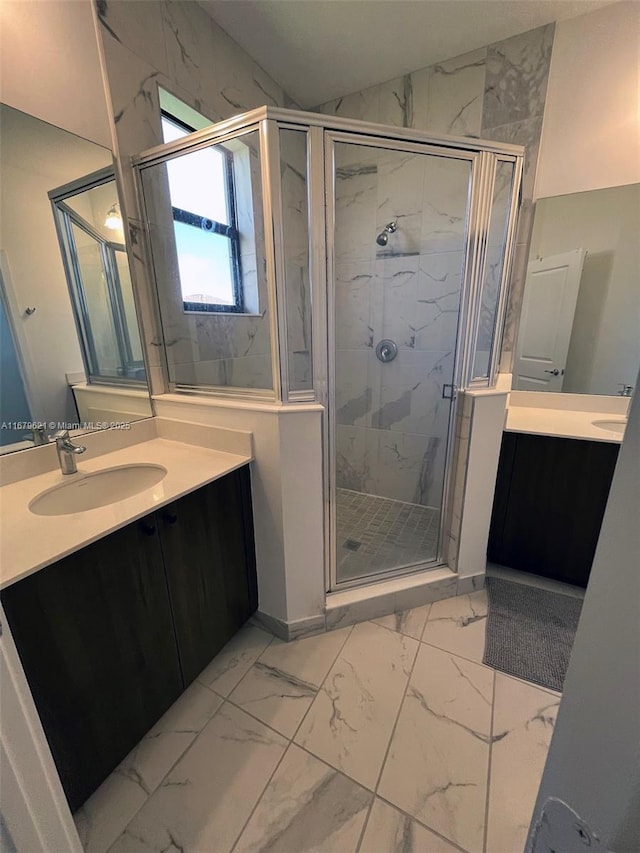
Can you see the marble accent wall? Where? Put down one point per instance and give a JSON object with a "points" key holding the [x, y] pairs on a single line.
{"points": [[496, 93], [295, 238], [176, 45], [391, 432]]}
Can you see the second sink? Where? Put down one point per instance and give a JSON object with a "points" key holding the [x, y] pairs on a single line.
{"points": [[101, 488], [611, 425]]}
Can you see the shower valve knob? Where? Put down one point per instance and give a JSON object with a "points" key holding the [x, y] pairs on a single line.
{"points": [[387, 350]]}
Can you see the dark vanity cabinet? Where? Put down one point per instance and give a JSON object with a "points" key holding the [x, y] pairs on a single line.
{"points": [[209, 557], [111, 635], [549, 502]]}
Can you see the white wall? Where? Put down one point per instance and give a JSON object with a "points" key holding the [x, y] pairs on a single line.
{"points": [[50, 66], [594, 761], [287, 495], [485, 435], [591, 132], [605, 342]]}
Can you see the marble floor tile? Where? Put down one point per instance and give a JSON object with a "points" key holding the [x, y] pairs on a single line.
{"points": [[163, 745], [458, 625], [307, 806], [408, 622], [351, 719], [391, 831], [235, 660], [282, 684], [204, 802], [107, 812], [437, 765], [524, 718]]}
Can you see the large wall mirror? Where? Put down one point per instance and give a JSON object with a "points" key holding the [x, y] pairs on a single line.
{"points": [[580, 322], [69, 335]]}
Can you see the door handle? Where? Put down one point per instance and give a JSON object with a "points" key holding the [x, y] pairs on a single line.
{"points": [[147, 528], [554, 372], [169, 517]]}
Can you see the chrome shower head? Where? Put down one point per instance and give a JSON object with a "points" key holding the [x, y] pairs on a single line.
{"points": [[383, 237]]}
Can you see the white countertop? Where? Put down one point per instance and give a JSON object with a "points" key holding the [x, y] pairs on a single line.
{"points": [[29, 542], [561, 424], [565, 415]]}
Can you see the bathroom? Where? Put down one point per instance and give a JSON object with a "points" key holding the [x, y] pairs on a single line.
{"points": [[149, 48]]}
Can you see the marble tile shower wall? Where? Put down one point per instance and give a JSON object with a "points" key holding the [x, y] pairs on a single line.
{"points": [[497, 93], [176, 45], [391, 418], [297, 284]]}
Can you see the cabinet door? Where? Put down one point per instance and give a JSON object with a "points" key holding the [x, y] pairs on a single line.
{"points": [[551, 494], [95, 636], [207, 543]]}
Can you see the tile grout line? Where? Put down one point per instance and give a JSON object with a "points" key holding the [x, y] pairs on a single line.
{"points": [[393, 731], [453, 844], [290, 740], [486, 807], [262, 793], [395, 722], [183, 753], [386, 755], [254, 717], [324, 680], [170, 770]]}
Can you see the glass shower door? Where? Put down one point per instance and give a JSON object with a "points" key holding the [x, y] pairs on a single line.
{"points": [[398, 244]]}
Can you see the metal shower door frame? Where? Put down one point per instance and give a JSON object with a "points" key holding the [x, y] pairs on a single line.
{"points": [[474, 159]]}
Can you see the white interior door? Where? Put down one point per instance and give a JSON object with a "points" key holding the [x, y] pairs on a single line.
{"points": [[549, 304]]}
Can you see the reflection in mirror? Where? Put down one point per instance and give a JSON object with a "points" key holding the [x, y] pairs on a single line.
{"points": [[47, 375], [580, 321], [91, 237]]}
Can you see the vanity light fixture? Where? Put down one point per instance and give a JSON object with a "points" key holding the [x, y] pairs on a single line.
{"points": [[113, 219]]}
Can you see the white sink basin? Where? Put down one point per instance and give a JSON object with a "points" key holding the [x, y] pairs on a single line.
{"points": [[613, 426], [90, 491]]}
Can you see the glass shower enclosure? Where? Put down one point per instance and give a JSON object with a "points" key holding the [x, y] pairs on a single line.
{"points": [[371, 267]]}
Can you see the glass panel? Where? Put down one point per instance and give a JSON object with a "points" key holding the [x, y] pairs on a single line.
{"points": [[130, 317], [496, 243], [295, 225], [213, 348], [104, 294], [400, 239], [105, 354]]}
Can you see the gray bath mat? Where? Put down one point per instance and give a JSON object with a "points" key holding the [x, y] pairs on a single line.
{"points": [[530, 632]]}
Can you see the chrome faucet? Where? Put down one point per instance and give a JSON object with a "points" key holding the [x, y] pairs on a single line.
{"points": [[67, 451], [627, 390]]}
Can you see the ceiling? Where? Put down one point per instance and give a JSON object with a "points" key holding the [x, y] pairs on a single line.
{"points": [[321, 49]]}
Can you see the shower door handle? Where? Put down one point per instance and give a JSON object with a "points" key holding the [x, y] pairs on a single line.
{"points": [[453, 390]]}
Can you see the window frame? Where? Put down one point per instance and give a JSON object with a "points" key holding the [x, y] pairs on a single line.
{"points": [[212, 226]]}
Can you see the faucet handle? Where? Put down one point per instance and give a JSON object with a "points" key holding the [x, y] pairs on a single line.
{"points": [[627, 390], [63, 442]]}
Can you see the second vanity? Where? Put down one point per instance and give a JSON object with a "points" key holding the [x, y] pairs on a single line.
{"points": [[116, 609], [557, 461]]}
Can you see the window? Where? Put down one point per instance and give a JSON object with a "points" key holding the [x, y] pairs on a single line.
{"points": [[201, 186]]}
